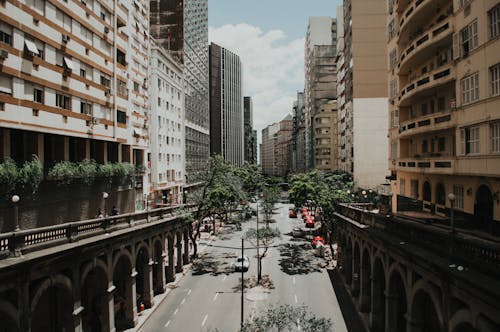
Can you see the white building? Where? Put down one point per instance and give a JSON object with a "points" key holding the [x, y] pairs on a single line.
{"points": [[167, 151]]}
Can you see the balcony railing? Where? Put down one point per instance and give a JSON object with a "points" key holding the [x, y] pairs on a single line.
{"points": [[435, 121], [428, 163], [439, 76]]}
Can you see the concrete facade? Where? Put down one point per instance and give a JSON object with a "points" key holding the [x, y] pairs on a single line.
{"points": [[249, 155], [326, 136], [298, 135]]}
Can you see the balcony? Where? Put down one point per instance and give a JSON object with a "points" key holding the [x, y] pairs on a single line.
{"points": [[426, 124], [425, 82], [424, 45], [418, 12], [431, 163]]}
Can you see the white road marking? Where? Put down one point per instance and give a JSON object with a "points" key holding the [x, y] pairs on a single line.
{"points": [[189, 291], [215, 296], [298, 324], [183, 300], [176, 310], [294, 280], [224, 279], [167, 324], [204, 320], [296, 298]]}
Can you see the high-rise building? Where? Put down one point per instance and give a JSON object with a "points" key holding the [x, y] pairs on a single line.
{"points": [[73, 84], [444, 83], [298, 135], [326, 136], [362, 98], [268, 149], [181, 28], [277, 147], [167, 156], [320, 75], [226, 105], [248, 139], [254, 147]]}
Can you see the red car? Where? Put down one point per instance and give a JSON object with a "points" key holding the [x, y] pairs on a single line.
{"points": [[292, 214], [316, 240], [310, 223]]}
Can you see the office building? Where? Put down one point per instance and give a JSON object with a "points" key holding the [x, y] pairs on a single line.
{"points": [[248, 139]]}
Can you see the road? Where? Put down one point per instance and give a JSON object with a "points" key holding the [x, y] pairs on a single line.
{"points": [[208, 298]]}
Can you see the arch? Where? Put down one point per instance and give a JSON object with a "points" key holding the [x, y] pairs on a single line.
{"points": [[425, 309], [440, 194], [94, 294], [119, 254], [462, 321], [397, 302], [158, 267], [142, 279], [483, 207], [123, 300], [356, 259], [96, 263], [378, 295], [427, 191], [9, 316], [52, 305], [366, 281]]}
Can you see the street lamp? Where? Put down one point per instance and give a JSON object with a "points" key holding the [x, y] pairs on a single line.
{"points": [[105, 196], [452, 199], [15, 199], [243, 278], [184, 198]]}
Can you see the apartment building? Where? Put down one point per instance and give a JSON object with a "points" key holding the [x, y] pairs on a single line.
{"points": [[226, 105], [444, 83], [276, 148], [298, 135], [326, 136], [248, 139], [268, 149], [73, 83], [181, 28], [320, 76], [167, 154], [362, 98]]}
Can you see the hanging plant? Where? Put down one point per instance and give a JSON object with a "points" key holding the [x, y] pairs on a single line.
{"points": [[64, 171], [88, 170], [15, 178]]}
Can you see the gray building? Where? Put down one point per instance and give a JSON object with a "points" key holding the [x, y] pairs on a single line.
{"points": [[226, 105], [248, 139], [181, 28], [298, 135]]}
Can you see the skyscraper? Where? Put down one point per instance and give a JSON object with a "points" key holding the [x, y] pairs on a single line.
{"points": [[248, 129]]}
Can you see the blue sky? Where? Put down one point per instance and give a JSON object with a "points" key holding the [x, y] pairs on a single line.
{"points": [[269, 37]]}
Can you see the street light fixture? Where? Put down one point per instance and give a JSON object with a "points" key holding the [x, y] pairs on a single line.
{"points": [[452, 199], [242, 278], [105, 196], [15, 199], [184, 198]]}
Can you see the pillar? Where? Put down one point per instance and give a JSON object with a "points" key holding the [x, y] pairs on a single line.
{"points": [[77, 301], [5, 143], [170, 266], [161, 272], [178, 267], [66, 148], [148, 284], [87, 149], [111, 306], [186, 246], [105, 152], [133, 290], [40, 147], [120, 152]]}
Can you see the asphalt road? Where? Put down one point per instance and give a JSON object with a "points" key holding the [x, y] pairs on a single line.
{"points": [[209, 297]]}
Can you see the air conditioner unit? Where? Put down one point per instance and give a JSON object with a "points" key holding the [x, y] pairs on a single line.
{"points": [[65, 38], [108, 92], [95, 121], [4, 54], [106, 29]]}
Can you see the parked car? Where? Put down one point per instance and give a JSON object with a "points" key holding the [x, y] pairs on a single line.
{"points": [[310, 223], [241, 263], [297, 232], [316, 240], [292, 214]]}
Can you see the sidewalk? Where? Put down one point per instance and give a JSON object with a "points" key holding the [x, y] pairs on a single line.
{"points": [[203, 244]]}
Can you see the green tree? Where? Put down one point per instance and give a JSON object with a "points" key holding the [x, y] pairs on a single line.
{"points": [[287, 318], [264, 236]]}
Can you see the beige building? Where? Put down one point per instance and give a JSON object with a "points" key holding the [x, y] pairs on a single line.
{"points": [[276, 147], [444, 85], [362, 90], [326, 136]]}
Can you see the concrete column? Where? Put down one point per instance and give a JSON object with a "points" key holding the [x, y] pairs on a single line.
{"points": [[148, 285], [160, 276], [111, 306], [132, 314], [87, 149], [40, 147], [6, 143], [77, 301], [105, 152], [186, 247], [170, 266], [66, 148], [178, 267], [25, 305], [120, 152]]}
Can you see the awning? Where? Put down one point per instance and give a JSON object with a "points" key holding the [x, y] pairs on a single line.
{"points": [[31, 47], [69, 64]]}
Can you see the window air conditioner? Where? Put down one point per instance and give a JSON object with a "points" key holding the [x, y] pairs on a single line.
{"points": [[65, 38], [95, 121], [106, 29], [108, 92]]}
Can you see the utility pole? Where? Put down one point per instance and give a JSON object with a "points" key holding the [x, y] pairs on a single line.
{"points": [[259, 276]]}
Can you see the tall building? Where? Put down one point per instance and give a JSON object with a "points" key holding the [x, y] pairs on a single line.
{"points": [[320, 75], [254, 147], [167, 131], [73, 83], [444, 83], [298, 135], [362, 99], [326, 136], [276, 147], [268, 149], [248, 139], [181, 28], [226, 105]]}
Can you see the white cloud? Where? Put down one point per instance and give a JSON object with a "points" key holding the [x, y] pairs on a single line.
{"points": [[273, 68]]}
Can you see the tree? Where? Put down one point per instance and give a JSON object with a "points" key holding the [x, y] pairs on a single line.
{"points": [[266, 236], [287, 318]]}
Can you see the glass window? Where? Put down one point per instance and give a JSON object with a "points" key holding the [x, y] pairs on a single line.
{"points": [[402, 184], [495, 80], [495, 137], [63, 101], [458, 191], [469, 38], [494, 21], [470, 88], [85, 107], [469, 140], [38, 95]]}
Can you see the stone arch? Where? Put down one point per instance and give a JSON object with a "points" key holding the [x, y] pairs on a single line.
{"points": [[427, 192], [483, 207], [143, 276], [462, 321], [52, 305], [9, 316], [397, 300], [366, 280], [95, 300], [124, 313], [356, 262], [119, 254], [425, 308], [378, 295], [158, 265]]}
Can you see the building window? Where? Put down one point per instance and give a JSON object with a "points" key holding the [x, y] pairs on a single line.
{"points": [[121, 57], [121, 117], [494, 21], [136, 87], [394, 88], [469, 140], [5, 37], [458, 191], [495, 137], [105, 80], [495, 80], [38, 95], [402, 184], [414, 188], [470, 88], [85, 107], [468, 38], [393, 59], [63, 101], [441, 144], [5, 84], [122, 88]]}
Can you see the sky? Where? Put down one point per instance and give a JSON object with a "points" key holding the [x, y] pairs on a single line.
{"points": [[269, 37]]}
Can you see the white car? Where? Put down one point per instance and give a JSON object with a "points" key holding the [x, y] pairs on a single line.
{"points": [[241, 263]]}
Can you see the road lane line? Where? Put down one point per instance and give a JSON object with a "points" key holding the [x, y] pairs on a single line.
{"points": [[294, 280], [189, 291], [298, 324], [296, 298], [167, 324], [215, 297], [204, 320], [176, 310], [224, 279], [183, 300]]}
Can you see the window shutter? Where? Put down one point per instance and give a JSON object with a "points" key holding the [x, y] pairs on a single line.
{"points": [[456, 46], [462, 141]]}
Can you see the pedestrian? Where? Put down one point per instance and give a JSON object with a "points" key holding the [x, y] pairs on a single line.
{"points": [[114, 211], [99, 215]]}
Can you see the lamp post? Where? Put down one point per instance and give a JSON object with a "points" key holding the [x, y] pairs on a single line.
{"points": [[105, 196], [184, 197], [15, 199], [452, 199], [258, 254], [242, 278]]}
